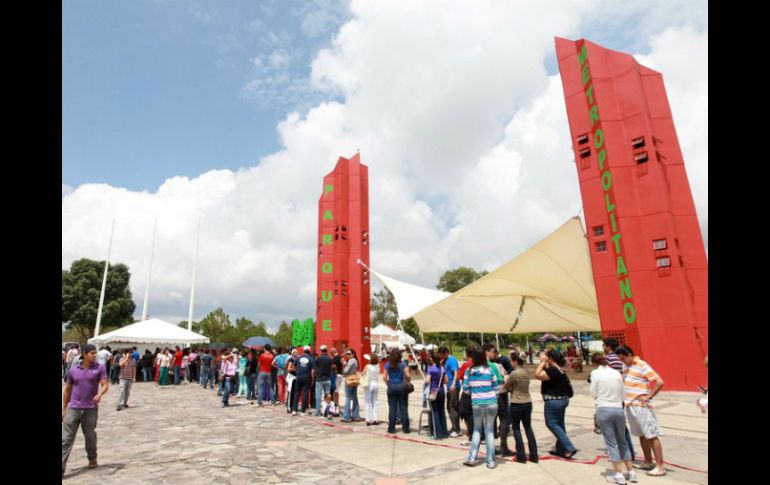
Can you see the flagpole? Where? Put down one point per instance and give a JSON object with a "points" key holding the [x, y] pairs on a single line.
{"points": [[195, 272], [104, 284], [149, 273]]}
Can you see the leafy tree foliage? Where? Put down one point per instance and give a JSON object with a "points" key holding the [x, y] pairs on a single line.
{"points": [[215, 324], [81, 288], [283, 336]]}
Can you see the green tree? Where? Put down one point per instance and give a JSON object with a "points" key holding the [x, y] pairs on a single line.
{"points": [[383, 310], [283, 336], [451, 281], [81, 288], [215, 325], [196, 326]]}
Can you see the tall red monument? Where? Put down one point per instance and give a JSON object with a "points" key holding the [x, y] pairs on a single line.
{"points": [[342, 317], [647, 253]]}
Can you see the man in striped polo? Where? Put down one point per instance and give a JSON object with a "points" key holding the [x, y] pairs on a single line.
{"points": [[642, 383]]}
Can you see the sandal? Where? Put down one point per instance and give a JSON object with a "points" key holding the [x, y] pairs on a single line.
{"points": [[656, 472]]}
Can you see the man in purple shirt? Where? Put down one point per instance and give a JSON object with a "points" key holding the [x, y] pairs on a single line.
{"points": [[80, 404]]}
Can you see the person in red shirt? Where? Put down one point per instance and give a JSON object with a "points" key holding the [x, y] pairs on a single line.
{"points": [[177, 364], [265, 375]]}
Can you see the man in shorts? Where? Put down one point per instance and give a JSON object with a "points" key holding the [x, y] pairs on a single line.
{"points": [[642, 383]]}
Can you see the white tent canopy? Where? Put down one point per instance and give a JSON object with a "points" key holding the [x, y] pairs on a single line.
{"points": [[410, 298], [405, 338], [548, 287], [383, 330], [152, 331]]}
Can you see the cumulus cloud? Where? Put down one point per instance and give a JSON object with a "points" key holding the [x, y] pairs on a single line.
{"points": [[464, 133]]}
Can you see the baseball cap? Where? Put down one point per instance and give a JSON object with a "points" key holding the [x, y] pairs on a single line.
{"points": [[307, 348]]}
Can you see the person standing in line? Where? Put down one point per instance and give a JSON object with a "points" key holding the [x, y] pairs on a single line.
{"points": [[642, 384], [609, 345], [86, 385], [243, 375], [451, 366], [323, 383], [481, 382], [436, 379], [520, 409], [127, 372], [229, 369], [555, 389], [608, 391], [252, 369], [177, 364], [165, 361], [279, 365], [395, 375], [264, 379], [192, 367], [370, 376], [351, 392], [147, 361]]}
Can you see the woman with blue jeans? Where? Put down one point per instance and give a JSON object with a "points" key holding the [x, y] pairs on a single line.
{"points": [[351, 393], [609, 391], [482, 384], [435, 380], [555, 390], [396, 374]]}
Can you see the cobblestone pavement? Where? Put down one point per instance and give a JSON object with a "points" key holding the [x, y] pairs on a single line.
{"points": [[181, 434]]}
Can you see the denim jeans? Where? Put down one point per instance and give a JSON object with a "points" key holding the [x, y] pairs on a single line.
{"points": [[351, 397], [612, 422], [146, 373], [263, 379], [176, 374], [242, 385], [252, 393], [522, 413], [204, 377], [438, 416], [322, 388], [397, 405], [483, 418], [228, 387], [554, 420]]}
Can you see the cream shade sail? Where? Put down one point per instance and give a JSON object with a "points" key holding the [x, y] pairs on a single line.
{"points": [[547, 288]]}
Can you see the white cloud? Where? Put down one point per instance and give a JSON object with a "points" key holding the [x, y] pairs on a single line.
{"points": [[466, 140], [279, 59], [65, 190]]}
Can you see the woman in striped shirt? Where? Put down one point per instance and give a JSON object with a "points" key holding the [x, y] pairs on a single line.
{"points": [[482, 383]]}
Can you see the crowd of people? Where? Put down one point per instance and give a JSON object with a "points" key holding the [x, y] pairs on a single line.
{"points": [[489, 392]]}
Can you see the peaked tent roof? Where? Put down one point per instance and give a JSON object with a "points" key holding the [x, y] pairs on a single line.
{"points": [[548, 287], [151, 331], [410, 298]]}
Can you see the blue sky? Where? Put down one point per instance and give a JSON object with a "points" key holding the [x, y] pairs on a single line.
{"points": [[232, 112], [155, 89]]}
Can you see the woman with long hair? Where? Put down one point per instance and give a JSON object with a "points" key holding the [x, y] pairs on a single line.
{"points": [[371, 373], [520, 409], [395, 375], [481, 382], [351, 393], [608, 390], [555, 388], [434, 382]]}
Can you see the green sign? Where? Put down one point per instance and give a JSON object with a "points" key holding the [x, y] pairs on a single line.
{"points": [[302, 333]]}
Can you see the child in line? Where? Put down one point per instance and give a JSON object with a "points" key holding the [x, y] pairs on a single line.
{"points": [[330, 409]]}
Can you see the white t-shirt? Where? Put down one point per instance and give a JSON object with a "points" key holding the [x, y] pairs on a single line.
{"points": [[607, 387], [374, 373], [165, 360], [103, 356]]}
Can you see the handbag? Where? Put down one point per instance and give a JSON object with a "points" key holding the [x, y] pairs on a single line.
{"points": [[352, 380], [364, 382], [434, 393], [408, 387]]}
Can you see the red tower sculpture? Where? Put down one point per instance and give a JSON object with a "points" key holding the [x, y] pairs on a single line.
{"points": [[647, 253], [342, 318]]}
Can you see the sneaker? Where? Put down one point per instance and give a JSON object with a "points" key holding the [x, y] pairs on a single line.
{"points": [[617, 478], [118, 408], [631, 476], [465, 443], [656, 472], [469, 463], [491, 465], [644, 466], [294, 413], [453, 434], [92, 463]]}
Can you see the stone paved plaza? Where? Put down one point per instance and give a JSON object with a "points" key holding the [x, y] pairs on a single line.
{"points": [[182, 435]]}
